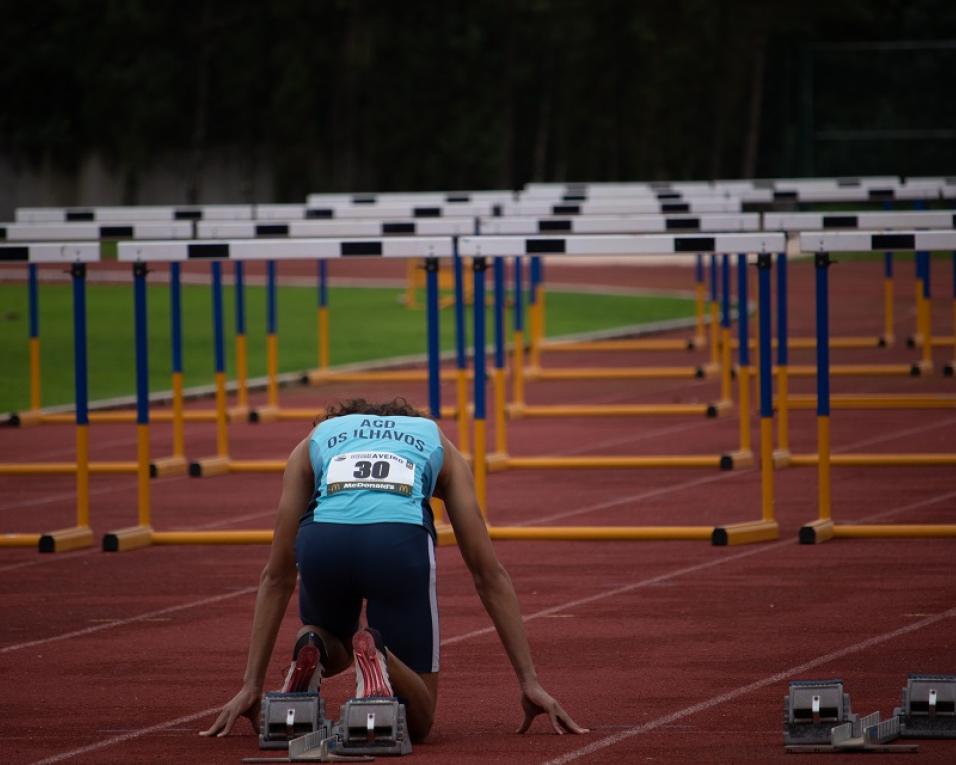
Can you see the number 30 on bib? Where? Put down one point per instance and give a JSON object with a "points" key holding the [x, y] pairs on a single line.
{"points": [[371, 471]]}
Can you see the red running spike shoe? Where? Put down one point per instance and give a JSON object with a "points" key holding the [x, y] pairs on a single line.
{"points": [[305, 672], [371, 672]]}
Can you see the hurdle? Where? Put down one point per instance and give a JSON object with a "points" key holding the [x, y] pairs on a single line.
{"points": [[274, 250], [765, 528], [856, 401], [535, 371], [174, 464], [889, 221], [75, 231], [638, 224], [824, 527], [720, 327], [292, 229], [634, 245], [76, 255]]}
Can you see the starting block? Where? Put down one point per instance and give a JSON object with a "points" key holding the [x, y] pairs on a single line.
{"points": [[928, 707], [812, 709], [288, 716], [867, 734], [373, 726]]}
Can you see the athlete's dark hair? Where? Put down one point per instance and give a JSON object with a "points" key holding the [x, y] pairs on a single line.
{"points": [[397, 407]]}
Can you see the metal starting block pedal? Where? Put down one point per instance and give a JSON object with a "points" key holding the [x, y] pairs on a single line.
{"points": [[288, 716], [374, 726], [929, 707], [812, 709], [867, 734]]}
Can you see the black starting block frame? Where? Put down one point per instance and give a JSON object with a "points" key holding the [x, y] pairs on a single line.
{"points": [[373, 726], [296, 722], [812, 708], [929, 707], [285, 717]]}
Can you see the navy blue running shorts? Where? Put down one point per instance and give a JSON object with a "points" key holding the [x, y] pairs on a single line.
{"points": [[391, 565]]}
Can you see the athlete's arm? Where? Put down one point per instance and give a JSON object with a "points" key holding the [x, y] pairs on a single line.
{"points": [[275, 588], [495, 588]]}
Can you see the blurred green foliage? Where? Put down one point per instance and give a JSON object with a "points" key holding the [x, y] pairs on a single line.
{"points": [[433, 94]]}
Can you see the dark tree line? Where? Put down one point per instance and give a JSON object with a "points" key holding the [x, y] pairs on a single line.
{"points": [[439, 94]]}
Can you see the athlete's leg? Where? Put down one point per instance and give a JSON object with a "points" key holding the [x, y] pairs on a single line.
{"points": [[419, 692], [379, 672], [402, 606], [328, 607]]}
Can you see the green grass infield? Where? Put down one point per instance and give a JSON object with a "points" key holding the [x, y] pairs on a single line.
{"points": [[366, 324]]}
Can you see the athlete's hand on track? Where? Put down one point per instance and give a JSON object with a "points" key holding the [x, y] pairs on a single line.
{"points": [[535, 701], [246, 704]]}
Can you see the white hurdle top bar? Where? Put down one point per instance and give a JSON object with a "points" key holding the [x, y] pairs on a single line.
{"points": [[44, 232], [335, 228], [641, 224], [621, 207], [650, 244], [876, 241], [67, 252], [863, 220], [285, 249], [410, 197], [142, 214], [131, 214]]}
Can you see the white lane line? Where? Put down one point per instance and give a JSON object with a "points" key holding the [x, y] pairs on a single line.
{"points": [[742, 690], [125, 737], [131, 620], [536, 615]]}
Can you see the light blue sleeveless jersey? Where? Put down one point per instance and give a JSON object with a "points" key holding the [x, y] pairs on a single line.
{"points": [[371, 469]]}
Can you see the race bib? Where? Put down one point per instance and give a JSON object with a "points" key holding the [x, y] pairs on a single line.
{"points": [[373, 471]]}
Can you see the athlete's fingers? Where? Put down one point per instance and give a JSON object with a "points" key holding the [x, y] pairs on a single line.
{"points": [[553, 716], [213, 729], [528, 719], [227, 725], [569, 724]]}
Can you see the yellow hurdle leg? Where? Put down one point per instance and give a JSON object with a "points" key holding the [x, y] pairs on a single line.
{"points": [[700, 299], [927, 332], [517, 395], [743, 382], [82, 475], [481, 468], [179, 436], [323, 335], [534, 351], [142, 474], [917, 334], [461, 392], [766, 468], [242, 373], [714, 333], [35, 373], [222, 438], [501, 440], [783, 409], [725, 385], [823, 467], [272, 355]]}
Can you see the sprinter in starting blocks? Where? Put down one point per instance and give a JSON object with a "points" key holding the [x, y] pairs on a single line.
{"points": [[355, 527]]}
